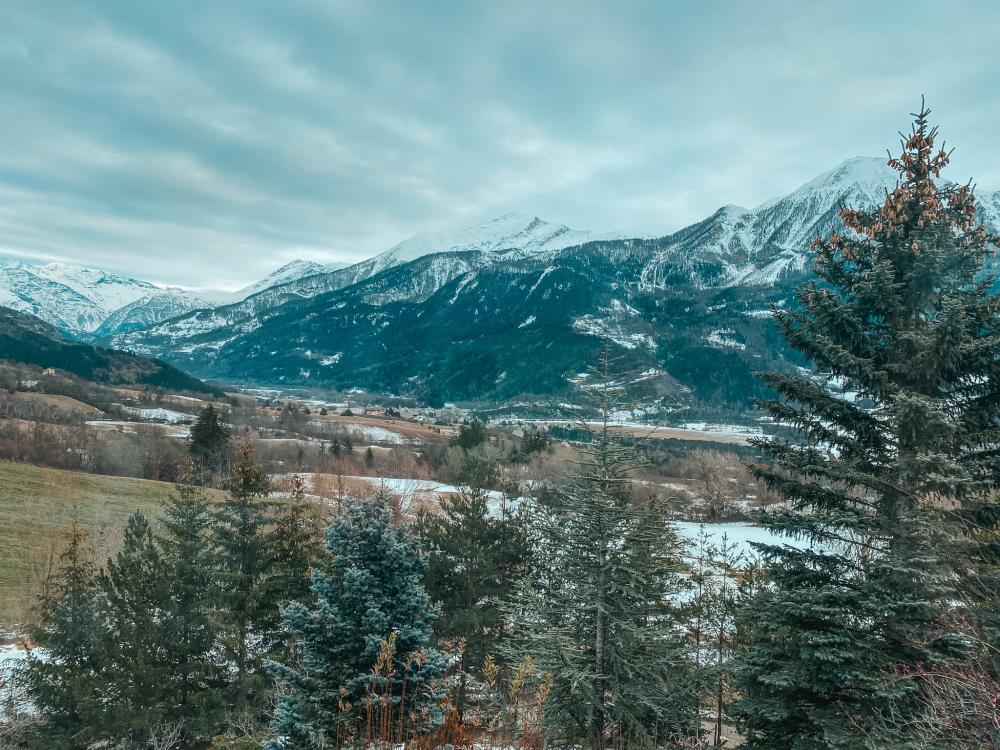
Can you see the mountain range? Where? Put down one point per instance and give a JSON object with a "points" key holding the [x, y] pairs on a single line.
{"points": [[86, 303], [514, 307]]}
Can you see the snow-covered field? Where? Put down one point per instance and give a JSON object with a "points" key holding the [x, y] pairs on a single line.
{"points": [[171, 430], [743, 535], [375, 434], [722, 429], [159, 414]]}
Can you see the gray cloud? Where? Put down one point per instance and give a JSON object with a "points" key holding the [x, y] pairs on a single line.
{"points": [[205, 144]]}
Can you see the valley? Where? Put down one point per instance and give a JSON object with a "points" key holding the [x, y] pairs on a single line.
{"points": [[506, 312]]}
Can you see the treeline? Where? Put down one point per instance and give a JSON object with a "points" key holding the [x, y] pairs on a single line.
{"points": [[167, 641], [240, 623]]}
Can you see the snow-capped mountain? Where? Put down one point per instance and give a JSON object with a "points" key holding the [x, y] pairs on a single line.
{"points": [[75, 299], [89, 303], [512, 231], [488, 291], [758, 246], [443, 256], [468, 305], [297, 269]]}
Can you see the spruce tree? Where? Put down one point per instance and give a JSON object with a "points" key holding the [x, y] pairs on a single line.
{"points": [[369, 592], [247, 603], [295, 549], [194, 678], [64, 686], [133, 643], [209, 442], [902, 315], [474, 557], [596, 612]]}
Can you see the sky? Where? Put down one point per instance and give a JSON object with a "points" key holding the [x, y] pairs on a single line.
{"points": [[206, 144]]}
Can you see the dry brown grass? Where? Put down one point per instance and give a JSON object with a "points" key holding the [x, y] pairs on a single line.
{"points": [[63, 403], [37, 506]]}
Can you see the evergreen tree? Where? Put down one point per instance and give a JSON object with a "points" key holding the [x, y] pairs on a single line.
{"points": [[903, 316], [194, 679], [369, 594], [209, 442], [296, 547], [247, 604], [65, 687], [470, 436], [473, 559], [133, 643], [595, 613]]}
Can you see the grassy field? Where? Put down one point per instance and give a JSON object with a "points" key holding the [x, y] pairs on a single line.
{"points": [[37, 505]]}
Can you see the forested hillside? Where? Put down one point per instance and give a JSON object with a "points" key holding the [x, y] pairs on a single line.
{"points": [[27, 340]]}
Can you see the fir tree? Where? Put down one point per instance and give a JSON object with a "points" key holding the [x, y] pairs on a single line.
{"points": [[369, 594], [133, 642], [903, 316], [65, 687], [247, 603], [473, 559], [194, 679], [209, 442], [595, 613], [296, 547]]}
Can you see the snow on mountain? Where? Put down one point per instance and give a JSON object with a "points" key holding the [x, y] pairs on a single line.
{"points": [[74, 298], [151, 309], [85, 302], [733, 247], [512, 231], [297, 269], [760, 245]]}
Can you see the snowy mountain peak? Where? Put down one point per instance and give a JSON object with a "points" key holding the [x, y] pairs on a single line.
{"points": [[865, 178], [511, 231], [292, 271]]}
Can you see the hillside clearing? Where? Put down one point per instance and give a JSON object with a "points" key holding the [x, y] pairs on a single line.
{"points": [[38, 504]]}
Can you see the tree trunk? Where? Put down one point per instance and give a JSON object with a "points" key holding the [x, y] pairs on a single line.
{"points": [[599, 638]]}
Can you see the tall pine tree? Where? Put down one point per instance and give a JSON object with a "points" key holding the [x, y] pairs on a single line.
{"points": [[903, 315], [596, 611], [371, 591], [134, 604], [195, 678], [295, 548], [209, 444], [64, 685], [248, 605], [474, 557]]}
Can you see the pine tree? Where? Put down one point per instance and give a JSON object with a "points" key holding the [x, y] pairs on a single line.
{"points": [[133, 611], [902, 315], [596, 611], [247, 604], [369, 594], [209, 443], [296, 548], [194, 679], [473, 558], [65, 687]]}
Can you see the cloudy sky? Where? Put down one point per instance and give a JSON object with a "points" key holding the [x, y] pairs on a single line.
{"points": [[204, 144]]}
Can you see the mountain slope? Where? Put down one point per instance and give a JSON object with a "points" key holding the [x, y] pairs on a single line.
{"points": [[514, 230], [28, 340], [493, 322], [86, 303], [294, 271]]}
